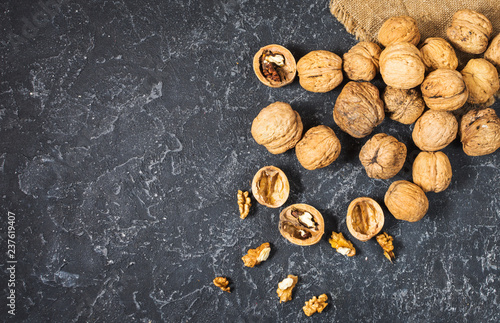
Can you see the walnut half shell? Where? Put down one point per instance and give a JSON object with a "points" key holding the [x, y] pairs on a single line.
{"points": [[270, 187], [274, 65], [301, 224], [365, 218]]}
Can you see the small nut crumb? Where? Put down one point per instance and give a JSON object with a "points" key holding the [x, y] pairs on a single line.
{"points": [[244, 203], [342, 245], [285, 288], [256, 256], [385, 241], [222, 283], [315, 304]]}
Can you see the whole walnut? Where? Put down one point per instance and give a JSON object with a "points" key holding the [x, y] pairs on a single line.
{"points": [[480, 132], [401, 66], [481, 78], [444, 89], [403, 105], [438, 53], [274, 65], [406, 201], [398, 29], [358, 109], [383, 156], [361, 61], [470, 31], [492, 54], [435, 130], [277, 127], [318, 148], [432, 171], [320, 71]]}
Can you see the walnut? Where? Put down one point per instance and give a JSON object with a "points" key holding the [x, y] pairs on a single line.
{"points": [[432, 171], [470, 31], [385, 241], [285, 288], [361, 61], [399, 29], [492, 54], [480, 132], [222, 283], [481, 78], [403, 105], [301, 224], [318, 148], [274, 65], [438, 53], [365, 218], [277, 127], [341, 244], [401, 66], [358, 109], [435, 130], [315, 304], [406, 201], [257, 255], [244, 203], [444, 89], [320, 71], [270, 187], [383, 156]]}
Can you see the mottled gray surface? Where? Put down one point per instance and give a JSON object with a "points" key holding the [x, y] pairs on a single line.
{"points": [[125, 134]]}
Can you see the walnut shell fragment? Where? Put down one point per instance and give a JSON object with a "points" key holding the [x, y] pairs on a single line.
{"points": [[435, 130], [365, 218], [285, 288], [399, 29], [256, 256], [274, 65], [320, 71], [481, 78], [301, 224], [277, 127], [361, 61], [406, 201], [432, 171], [341, 244], [401, 66], [438, 53], [315, 305], [382, 156], [480, 132], [358, 109], [492, 54], [444, 89], [222, 283], [470, 31], [403, 105], [270, 187], [318, 148]]}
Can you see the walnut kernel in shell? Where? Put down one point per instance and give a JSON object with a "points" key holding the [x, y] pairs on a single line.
{"points": [[481, 78], [361, 61], [403, 105], [401, 65], [365, 218], [320, 71], [406, 201], [398, 29], [301, 224], [444, 89], [274, 65], [480, 132], [438, 53], [270, 187], [435, 130], [470, 31], [432, 171], [318, 148], [382, 156]]}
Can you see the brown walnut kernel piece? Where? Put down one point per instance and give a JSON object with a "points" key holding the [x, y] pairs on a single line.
{"points": [[315, 304], [320, 71], [385, 241], [222, 283], [401, 65], [470, 31], [444, 89], [301, 224], [438, 53], [270, 187], [256, 256], [365, 218], [406, 201], [481, 78], [432, 171], [274, 65], [285, 288], [244, 203], [382, 156], [361, 61], [480, 132], [435, 130], [318, 148], [403, 105], [399, 29], [492, 54], [341, 244]]}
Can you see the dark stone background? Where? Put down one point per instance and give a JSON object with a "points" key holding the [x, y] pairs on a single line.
{"points": [[125, 135]]}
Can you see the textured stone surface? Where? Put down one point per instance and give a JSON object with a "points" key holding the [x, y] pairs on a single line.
{"points": [[125, 135]]}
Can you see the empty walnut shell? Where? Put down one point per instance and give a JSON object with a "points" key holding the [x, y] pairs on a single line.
{"points": [[481, 78], [301, 224], [365, 218], [492, 54], [277, 127], [318, 148], [432, 171], [480, 132], [361, 61], [470, 31], [383, 156], [320, 71], [403, 105], [274, 65], [444, 89], [406, 201], [438, 53], [358, 109], [435, 130], [401, 66], [398, 29], [270, 187]]}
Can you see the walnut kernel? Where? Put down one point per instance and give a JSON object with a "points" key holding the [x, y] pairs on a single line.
{"points": [[301, 224], [270, 187], [406, 201], [320, 71], [315, 304], [341, 244], [285, 288], [399, 29], [365, 218], [385, 241], [361, 61], [403, 105], [257, 255], [480, 132], [382, 156], [274, 65], [222, 283], [401, 65], [318, 148], [481, 78], [432, 171], [470, 31], [435, 130], [244, 203], [438, 53]]}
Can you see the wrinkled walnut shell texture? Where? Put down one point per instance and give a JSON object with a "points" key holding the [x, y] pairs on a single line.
{"points": [[365, 218], [270, 187], [383, 156], [492, 54], [438, 53], [287, 72], [399, 29], [480, 132], [481, 78], [401, 66], [320, 71], [318, 148], [470, 31], [432, 171], [361, 61], [406, 201], [444, 89], [289, 225], [435, 130], [404, 106]]}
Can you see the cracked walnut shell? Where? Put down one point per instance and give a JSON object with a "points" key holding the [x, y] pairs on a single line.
{"points": [[274, 65], [365, 218], [318, 148], [470, 31], [406, 201], [285, 288], [320, 71], [361, 61], [492, 54], [438, 53], [480, 132], [270, 187], [432, 171], [403, 105], [444, 89], [358, 109], [399, 29], [315, 304], [435, 130], [277, 127], [257, 255], [382, 156], [401, 66], [301, 224], [481, 78]]}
